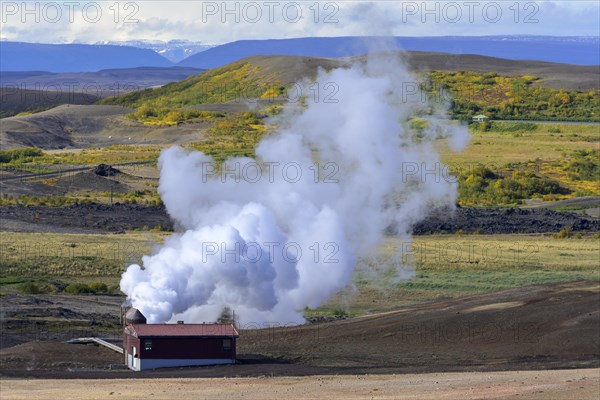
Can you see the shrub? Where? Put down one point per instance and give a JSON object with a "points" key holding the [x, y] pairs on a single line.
{"points": [[418, 124], [29, 288], [23, 154], [114, 290], [59, 285], [338, 313], [78, 288], [159, 228], [482, 186], [584, 165], [512, 97], [564, 233], [98, 287]]}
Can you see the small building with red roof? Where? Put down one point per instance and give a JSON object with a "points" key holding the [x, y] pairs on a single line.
{"points": [[150, 346]]}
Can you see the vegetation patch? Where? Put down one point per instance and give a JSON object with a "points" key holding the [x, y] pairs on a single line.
{"points": [[503, 126], [173, 103], [449, 266], [235, 135], [515, 97], [20, 155], [482, 186]]}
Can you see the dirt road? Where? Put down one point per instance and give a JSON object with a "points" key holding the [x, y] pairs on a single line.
{"points": [[540, 385]]}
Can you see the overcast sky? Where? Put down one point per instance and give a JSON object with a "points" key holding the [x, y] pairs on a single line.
{"points": [[220, 22]]}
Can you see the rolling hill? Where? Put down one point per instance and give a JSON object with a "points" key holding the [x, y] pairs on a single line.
{"points": [[20, 56], [506, 88], [553, 75], [258, 74], [262, 80], [16, 100], [81, 126], [251, 77], [570, 50]]}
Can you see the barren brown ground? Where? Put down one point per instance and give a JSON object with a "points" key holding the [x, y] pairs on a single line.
{"points": [[540, 385], [546, 327]]}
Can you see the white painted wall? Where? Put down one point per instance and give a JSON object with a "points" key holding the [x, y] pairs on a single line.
{"points": [[152, 363]]}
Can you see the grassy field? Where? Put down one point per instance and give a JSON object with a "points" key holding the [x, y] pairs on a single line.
{"points": [[444, 265], [546, 159], [546, 142], [448, 266], [41, 258], [115, 154]]}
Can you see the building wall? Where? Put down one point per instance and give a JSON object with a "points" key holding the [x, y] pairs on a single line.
{"points": [[186, 348], [152, 363], [177, 351], [128, 343]]}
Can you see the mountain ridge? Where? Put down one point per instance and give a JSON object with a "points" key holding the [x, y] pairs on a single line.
{"points": [[71, 58], [581, 50], [64, 58]]}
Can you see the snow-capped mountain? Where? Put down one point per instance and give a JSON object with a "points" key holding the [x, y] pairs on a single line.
{"points": [[173, 50]]}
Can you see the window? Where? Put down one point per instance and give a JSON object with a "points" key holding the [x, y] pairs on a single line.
{"points": [[148, 344], [226, 344]]}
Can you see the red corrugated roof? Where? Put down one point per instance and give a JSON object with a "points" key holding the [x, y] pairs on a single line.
{"points": [[181, 330]]}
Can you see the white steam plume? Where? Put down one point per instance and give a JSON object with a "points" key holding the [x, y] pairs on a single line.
{"points": [[270, 245]]}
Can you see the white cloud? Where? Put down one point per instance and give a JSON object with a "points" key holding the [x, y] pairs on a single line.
{"points": [[219, 22]]}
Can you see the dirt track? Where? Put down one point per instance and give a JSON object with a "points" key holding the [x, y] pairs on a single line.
{"points": [[540, 385], [121, 217]]}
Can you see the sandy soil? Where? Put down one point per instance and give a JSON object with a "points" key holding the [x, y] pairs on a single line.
{"points": [[541, 385]]}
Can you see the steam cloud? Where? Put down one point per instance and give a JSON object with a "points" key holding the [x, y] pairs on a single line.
{"points": [[268, 246]]}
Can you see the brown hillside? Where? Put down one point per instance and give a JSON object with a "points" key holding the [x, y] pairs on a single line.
{"points": [[557, 76]]}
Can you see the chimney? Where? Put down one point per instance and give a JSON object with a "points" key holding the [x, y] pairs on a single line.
{"points": [[134, 316]]}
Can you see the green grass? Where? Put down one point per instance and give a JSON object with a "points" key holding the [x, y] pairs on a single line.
{"points": [[478, 281], [569, 159], [77, 258], [23, 154], [445, 265], [448, 266], [30, 159], [10, 280], [570, 208], [500, 148]]}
